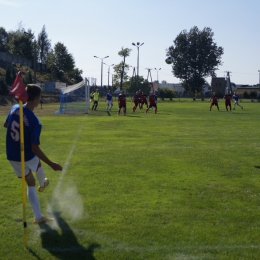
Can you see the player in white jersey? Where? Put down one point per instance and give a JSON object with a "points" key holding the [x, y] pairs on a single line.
{"points": [[32, 152]]}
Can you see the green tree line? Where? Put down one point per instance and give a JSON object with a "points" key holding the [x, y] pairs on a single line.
{"points": [[57, 60]]}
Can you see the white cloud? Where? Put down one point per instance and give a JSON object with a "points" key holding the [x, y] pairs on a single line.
{"points": [[10, 3]]}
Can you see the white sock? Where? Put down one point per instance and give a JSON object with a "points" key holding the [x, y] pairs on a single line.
{"points": [[40, 176], [33, 199]]}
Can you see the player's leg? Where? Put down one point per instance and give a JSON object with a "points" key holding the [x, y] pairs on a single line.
{"points": [[239, 105], [147, 109], [124, 110], [32, 196], [155, 110], [119, 110]]}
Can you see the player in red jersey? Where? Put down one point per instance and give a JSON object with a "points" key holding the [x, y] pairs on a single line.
{"points": [[228, 99], [152, 103], [214, 101], [144, 100], [135, 101], [121, 102]]}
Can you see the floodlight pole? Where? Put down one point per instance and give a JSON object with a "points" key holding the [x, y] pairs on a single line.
{"points": [[101, 68], [138, 45], [157, 74], [108, 72]]}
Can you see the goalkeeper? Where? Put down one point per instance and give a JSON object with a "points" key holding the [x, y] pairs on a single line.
{"points": [[96, 98]]}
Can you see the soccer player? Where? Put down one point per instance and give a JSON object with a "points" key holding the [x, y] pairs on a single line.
{"points": [[109, 101], [144, 100], [236, 98], [91, 96], [96, 98], [135, 101], [214, 101], [121, 102], [152, 103], [228, 99], [32, 152]]}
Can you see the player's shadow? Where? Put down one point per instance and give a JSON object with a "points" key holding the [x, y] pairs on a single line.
{"points": [[257, 167], [64, 245]]}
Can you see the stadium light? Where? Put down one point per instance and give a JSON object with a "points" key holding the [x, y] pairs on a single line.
{"points": [[108, 72], [157, 74], [137, 45], [101, 67]]}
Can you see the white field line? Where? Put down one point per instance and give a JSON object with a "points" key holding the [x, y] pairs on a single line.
{"points": [[65, 167]]}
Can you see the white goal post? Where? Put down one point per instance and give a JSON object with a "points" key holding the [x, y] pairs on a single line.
{"points": [[74, 99]]}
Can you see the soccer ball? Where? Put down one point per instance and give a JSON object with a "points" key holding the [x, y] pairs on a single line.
{"points": [[169, 60]]}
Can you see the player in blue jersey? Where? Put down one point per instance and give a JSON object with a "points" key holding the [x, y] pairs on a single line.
{"points": [[32, 152], [236, 98], [109, 101]]}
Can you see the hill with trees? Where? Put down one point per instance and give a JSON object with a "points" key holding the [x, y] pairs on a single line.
{"points": [[50, 63]]}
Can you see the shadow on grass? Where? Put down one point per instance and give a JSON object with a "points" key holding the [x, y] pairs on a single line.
{"points": [[257, 167], [64, 245]]}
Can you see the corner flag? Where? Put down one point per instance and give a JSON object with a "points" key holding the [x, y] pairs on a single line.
{"points": [[18, 90]]}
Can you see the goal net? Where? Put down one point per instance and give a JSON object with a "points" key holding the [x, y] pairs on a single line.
{"points": [[74, 99]]}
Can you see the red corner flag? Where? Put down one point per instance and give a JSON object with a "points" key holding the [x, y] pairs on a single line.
{"points": [[18, 88]]}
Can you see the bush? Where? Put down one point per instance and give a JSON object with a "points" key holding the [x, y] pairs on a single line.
{"points": [[253, 94], [3, 87], [167, 93], [245, 94]]}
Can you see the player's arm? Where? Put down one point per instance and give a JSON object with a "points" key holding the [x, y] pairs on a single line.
{"points": [[5, 124], [40, 154]]}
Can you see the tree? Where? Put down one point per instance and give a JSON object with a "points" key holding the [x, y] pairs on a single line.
{"points": [[10, 75], [28, 77], [3, 39], [60, 61], [196, 56], [44, 46], [3, 87], [75, 75], [120, 76], [21, 43], [123, 53], [143, 84]]}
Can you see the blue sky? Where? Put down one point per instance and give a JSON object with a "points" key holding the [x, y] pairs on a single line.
{"points": [[102, 28]]}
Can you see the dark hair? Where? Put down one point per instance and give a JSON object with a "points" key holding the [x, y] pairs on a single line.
{"points": [[33, 91]]}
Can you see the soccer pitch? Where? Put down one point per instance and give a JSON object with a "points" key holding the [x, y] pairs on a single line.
{"points": [[180, 184]]}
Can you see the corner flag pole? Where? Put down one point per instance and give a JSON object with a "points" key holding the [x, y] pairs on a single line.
{"points": [[23, 172], [18, 90]]}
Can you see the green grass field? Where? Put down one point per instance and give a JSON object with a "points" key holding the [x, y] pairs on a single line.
{"points": [[180, 184]]}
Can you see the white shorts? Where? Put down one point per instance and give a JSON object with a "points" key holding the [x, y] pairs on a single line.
{"points": [[109, 102], [33, 165]]}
